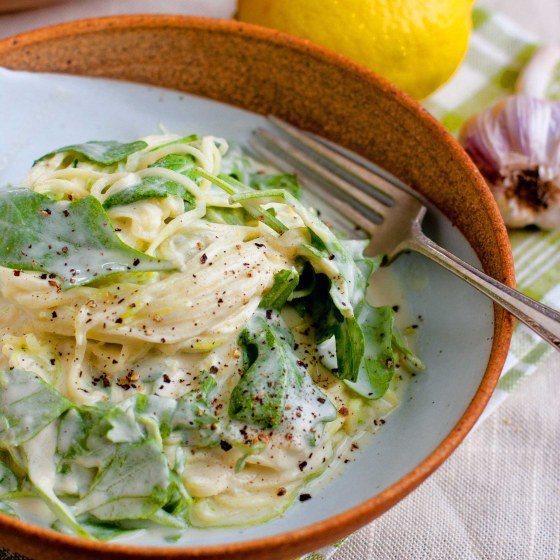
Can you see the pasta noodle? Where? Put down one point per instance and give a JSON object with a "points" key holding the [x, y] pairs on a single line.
{"points": [[225, 368]]}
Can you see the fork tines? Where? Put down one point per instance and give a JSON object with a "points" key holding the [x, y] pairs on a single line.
{"points": [[362, 195]]}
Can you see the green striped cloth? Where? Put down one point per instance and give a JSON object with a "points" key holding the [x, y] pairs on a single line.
{"points": [[498, 51]]}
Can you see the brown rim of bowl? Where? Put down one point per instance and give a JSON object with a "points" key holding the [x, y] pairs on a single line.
{"points": [[312, 537]]}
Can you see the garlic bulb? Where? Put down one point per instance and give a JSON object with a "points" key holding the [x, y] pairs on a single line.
{"points": [[516, 146]]}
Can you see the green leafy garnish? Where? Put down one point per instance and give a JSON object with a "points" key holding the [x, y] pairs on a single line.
{"points": [[364, 345], [40, 459], [71, 429], [181, 163], [158, 187], [231, 186], [124, 426], [345, 282], [269, 365], [241, 170], [27, 405], [195, 416], [75, 241], [159, 409], [225, 215], [349, 348], [150, 187], [179, 500], [132, 486], [272, 370], [101, 530], [286, 181], [377, 366], [103, 152], [407, 357], [285, 283], [8, 480]]}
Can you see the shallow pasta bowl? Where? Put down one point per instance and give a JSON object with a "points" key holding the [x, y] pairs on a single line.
{"points": [[463, 339]]}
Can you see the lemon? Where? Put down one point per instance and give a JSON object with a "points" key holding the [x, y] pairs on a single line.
{"points": [[416, 44]]}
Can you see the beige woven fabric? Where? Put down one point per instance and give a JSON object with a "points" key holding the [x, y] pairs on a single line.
{"points": [[496, 498]]}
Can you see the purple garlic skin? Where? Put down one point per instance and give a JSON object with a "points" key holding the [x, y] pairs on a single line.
{"points": [[516, 146]]}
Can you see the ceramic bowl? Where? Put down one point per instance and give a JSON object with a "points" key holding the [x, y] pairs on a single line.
{"points": [[9, 6], [463, 338]]}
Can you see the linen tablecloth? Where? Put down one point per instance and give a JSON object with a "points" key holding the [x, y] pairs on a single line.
{"points": [[498, 496]]}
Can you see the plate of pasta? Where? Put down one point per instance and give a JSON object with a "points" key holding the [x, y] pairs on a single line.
{"points": [[185, 342], [199, 357]]}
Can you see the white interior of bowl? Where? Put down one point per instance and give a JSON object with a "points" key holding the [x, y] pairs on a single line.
{"points": [[42, 112]]}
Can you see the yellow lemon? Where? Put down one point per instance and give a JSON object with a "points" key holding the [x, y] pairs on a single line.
{"points": [[416, 44]]}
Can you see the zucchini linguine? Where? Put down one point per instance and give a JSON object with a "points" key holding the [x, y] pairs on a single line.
{"points": [[184, 342]]}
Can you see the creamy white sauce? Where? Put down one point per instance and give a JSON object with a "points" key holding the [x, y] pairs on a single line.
{"points": [[158, 336]]}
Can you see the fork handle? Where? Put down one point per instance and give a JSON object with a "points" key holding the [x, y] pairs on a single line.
{"points": [[542, 319]]}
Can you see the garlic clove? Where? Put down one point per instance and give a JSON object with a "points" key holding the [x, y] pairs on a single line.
{"points": [[516, 146], [535, 77], [518, 213]]}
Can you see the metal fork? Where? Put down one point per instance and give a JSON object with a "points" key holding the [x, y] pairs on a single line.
{"points": [[389, 212]]}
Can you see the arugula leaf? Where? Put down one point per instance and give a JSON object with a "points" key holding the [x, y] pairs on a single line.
{"points": [[284, 284], [124, 426], [71, 430], [82, 432], [271, 369], [231, 186], [377, 367], [237, 165], [241, 169], [104, 152], [286, 181], [410, 360], [269, 365], [162, 517], [319, 306], [350, 345], [327, 318], [195, 415], [346, 277], [150, 187], [181, 163], [74, 241], [8, 480], [100, 530], [133, 485], [362, 361], [159, 409], [307, 280], [230, 216], [27, 405], [274, 376], [179, 500], [40, 457], [158, 187]]}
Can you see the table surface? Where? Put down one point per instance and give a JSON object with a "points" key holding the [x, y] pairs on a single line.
{"points": [[498, 497], [540, 17]]}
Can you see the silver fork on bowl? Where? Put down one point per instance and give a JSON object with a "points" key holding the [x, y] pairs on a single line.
{"points": [[389, 212]]}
